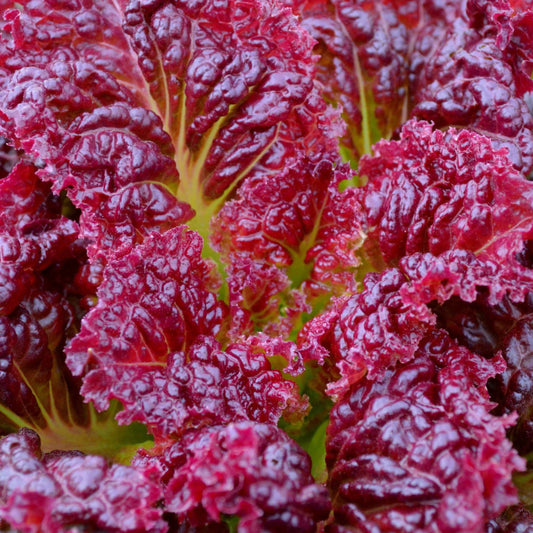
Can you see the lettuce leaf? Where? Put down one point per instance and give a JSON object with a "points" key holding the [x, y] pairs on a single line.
{"points": [[291, 240], [420, 449], [61, 490], [198, 99]]}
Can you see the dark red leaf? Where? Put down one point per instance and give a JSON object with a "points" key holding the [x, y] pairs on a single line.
{"points": [[434, 192], [513, 388], [195, 105], [476, 74], [364, 49], [253, 471], [419, 450], [201, 387], [154, 301], [368, 332], [291, 240], [61, 490]]}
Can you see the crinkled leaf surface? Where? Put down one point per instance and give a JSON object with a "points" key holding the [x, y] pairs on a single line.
{"points": [[364, 52], [39, 312], [39, 392], [29, 364], [369, 331], [196, 98], [33, 234], [152, 302], [419, 450], [155, 350], [33, 318], [197, 388], [233, 84], [461, 273], [291, 240], [254, 471], [433, 192], [464, 64], [73, 100], [146, 113], [62, 490], [477, 74], [513, 388]]}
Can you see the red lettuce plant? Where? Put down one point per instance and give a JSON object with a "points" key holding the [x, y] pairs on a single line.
{"points": [[266, 265]]}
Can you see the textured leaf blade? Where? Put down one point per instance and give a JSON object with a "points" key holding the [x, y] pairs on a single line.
{"points": [[420, 449]]}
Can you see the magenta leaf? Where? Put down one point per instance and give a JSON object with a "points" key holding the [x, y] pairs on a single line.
{"points": [[189, 112], [33, 234], [461, 273], [120, 221], [38, 391], [198, 388], [420, 450], [463, 64], [291, 241], [154, 301], [61, 490], [28, 362], [110, 142], [258, 291], [253, 471], [155, 349], [477, 301], [477, 74], [40, 309], [33, 317], [477, 325], [309, 334], [433, 192], [368, 332], [513, 388], [364, 52], [229, 98]]}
